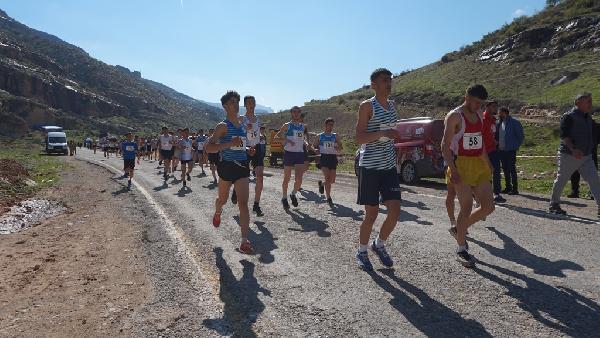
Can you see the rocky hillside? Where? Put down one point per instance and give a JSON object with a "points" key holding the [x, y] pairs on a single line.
{"points": [[535, 64], [44, 80]]}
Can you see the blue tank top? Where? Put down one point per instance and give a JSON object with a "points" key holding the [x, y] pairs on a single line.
{"points": [[295, 133], [234, 153], [379, 154], [327, 143]]}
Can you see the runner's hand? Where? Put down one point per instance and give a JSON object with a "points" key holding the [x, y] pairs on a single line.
{"points": [[390, 133], [236, 141], [252, 151]]}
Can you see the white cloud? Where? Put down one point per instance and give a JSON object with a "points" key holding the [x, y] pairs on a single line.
{"points": [[519, 12]]}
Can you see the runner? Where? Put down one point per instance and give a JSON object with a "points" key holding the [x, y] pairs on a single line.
{"points": [[176, 150], [253, 127], [200, 141], [230, 139], [328, 145], [293, 156], [166, 150], [377, 176], [129, 150], [94, 146], [141, 146], [213, 158], [471, 171], [185, 148]]}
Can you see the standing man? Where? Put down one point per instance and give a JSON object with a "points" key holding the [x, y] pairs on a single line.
{"points": [[470, 171], [377, 177], [509, 134], [293, 156], [185, 151], [253, 124], [576, 177], [229, 138], [328, 145], [489, 139], [129, 150], [166, 150], [575, 151]]}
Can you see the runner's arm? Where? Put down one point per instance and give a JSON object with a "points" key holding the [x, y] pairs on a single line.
{"points": [[450, 124], [365, 112], [338, 143], [211, 145]]}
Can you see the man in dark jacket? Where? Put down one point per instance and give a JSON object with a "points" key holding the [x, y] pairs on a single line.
{"points": [[576, 177], [510, 137]]}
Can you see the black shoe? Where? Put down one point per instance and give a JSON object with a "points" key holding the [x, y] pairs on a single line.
{"points": [[215, 182], [513, 192], [330, 202], [294, 200], [126, 175], [159, 162], [285, 203], [256, 208], [129, 185], [574, 194], [234, 198], [165, 176], [188, 177], [184, 184], [321, 188], [556, 210], [466, 259], [507, 190], [499, 199]]}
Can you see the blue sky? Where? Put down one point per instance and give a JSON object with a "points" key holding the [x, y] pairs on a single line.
{"points": [[283, 52]]}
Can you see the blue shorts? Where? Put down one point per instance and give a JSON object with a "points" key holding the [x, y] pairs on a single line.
{"points": [[291, 159]]}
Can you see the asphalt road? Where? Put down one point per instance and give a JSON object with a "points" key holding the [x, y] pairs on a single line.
{"points": [[535, 275]]}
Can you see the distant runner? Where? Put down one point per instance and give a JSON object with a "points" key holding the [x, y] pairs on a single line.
{"points": [[213, 158], [185, 148], [129, 150], [166, 150], [328, 145], [200, 141]]}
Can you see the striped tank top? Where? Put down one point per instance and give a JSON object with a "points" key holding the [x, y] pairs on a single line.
{"points": [[295, 133], [379, 154], [234, 153]]}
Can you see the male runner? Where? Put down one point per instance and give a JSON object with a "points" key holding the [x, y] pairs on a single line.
{"points": [[293, 156], [166, 150], [200, 141], [213, 158], [176, 150], [129, 150], [185, 148], [253, 125], [229, 138], [328, 145], [471, 171], [377, 176]]}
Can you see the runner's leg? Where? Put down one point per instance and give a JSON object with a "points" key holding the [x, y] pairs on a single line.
{"points": [[242, 191]]}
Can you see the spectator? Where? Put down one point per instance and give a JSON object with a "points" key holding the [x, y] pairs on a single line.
{"points": [[509, 134], [489, 132], [575, 151], [576, 177]]}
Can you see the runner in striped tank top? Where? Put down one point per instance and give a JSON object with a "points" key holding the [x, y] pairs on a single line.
{"points": [[377, 176], [229, 138], [328, 145], [469, 168]]}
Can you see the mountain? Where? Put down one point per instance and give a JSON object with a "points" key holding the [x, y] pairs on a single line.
{"points": [[259, 110], [535, 65], [45, 80]]}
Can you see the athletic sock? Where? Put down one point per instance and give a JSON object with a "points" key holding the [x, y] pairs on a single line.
{"points": [[461, 248], [379, 243], [363, 247]]}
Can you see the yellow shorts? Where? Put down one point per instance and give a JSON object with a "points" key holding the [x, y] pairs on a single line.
{"points": [[472, 170]]}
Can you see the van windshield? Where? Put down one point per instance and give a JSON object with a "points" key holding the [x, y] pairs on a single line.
{"points": [[57, 139]]}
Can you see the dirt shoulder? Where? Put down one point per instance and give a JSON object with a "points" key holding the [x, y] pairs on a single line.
{"points": [[79, 273]]}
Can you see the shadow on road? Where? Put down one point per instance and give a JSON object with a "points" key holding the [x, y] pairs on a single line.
{"points": [[559, 308], [183, 191], [211, 186], [546, 215], [264, 243], [339, 210], [241, 306], [419, 205], [406, 216], [312, 196], [547, 200], [309, 224], [123, 190], [161, 187], [515, 253], [429, 316]]}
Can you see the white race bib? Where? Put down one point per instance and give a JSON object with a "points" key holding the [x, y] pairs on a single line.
{"points": [[299, 134], [243, 147], [328, 145], [252, 135], [472, 141], [129, 148]]}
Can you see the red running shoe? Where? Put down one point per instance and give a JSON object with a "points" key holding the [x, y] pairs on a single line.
{"points": [[246, 248], [216, 220]]}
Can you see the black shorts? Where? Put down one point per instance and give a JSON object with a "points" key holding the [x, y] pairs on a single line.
{"points": [[233, 171], [258, 160], [214, 158], [148, 148], [187, 161], [373, 184], [129, 164], [329, 161], [166, 154]]}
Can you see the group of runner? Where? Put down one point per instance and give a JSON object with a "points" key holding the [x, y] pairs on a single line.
{"points": [[238, 143]]}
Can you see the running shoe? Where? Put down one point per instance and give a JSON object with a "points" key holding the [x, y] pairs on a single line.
{"points": [[165, 176], [234, 197], [216, 220], [466, 259], [184, 184], [294, 200], [330, 201], [188, 177], [321, 188], [246, 248], [285, 203], [499, 199], [256, 208], [453, 233], [215, 182], [556, 210], [383, 255], [126, 174], [129, 184], [574, 194], [362, 258]]}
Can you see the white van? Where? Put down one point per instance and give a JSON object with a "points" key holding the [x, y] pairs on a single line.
{"points": [[56, 142]]}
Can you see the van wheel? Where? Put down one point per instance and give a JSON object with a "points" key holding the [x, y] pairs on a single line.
{"points": [[408, 173]]}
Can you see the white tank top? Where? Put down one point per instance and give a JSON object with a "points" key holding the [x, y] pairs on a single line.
{"points": [[252, 131]]}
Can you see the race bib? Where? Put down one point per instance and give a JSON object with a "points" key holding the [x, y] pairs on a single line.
{"points": [[243, 147], [472, 141], [129, 148], [299, 134], [328, 145], [252, 135], [200, 145]]}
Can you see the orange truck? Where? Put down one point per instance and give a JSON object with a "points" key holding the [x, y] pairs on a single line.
{"points": [[275, 149]]}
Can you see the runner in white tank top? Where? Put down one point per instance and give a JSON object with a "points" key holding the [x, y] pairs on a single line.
{"points": [[253, 124]]}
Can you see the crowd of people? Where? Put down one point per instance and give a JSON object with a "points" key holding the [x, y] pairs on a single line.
{"points": [[480, 140]]}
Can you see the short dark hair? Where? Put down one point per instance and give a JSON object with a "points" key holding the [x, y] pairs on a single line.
{"points": [[229, 95], [378, 72], [504, 109], [186, 129], [478, 91], [249, 97], [329, 119], [489, 103], [164, 128]]}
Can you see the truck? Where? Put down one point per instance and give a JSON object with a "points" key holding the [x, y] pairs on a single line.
{"points": [[275, 148]]}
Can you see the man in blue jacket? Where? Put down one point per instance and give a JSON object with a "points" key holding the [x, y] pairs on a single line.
{"points": [[510, 136]]}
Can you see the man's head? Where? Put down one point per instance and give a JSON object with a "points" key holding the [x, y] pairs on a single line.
{"points": [[296, 113], [474, 97], [503, 112], [185, 132], [249, 103], [200, 132], [381, 81], [231, 102], [583, 102], [492, 107], [129, 136], [164, 130], [262, 129], [329, 125]]}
